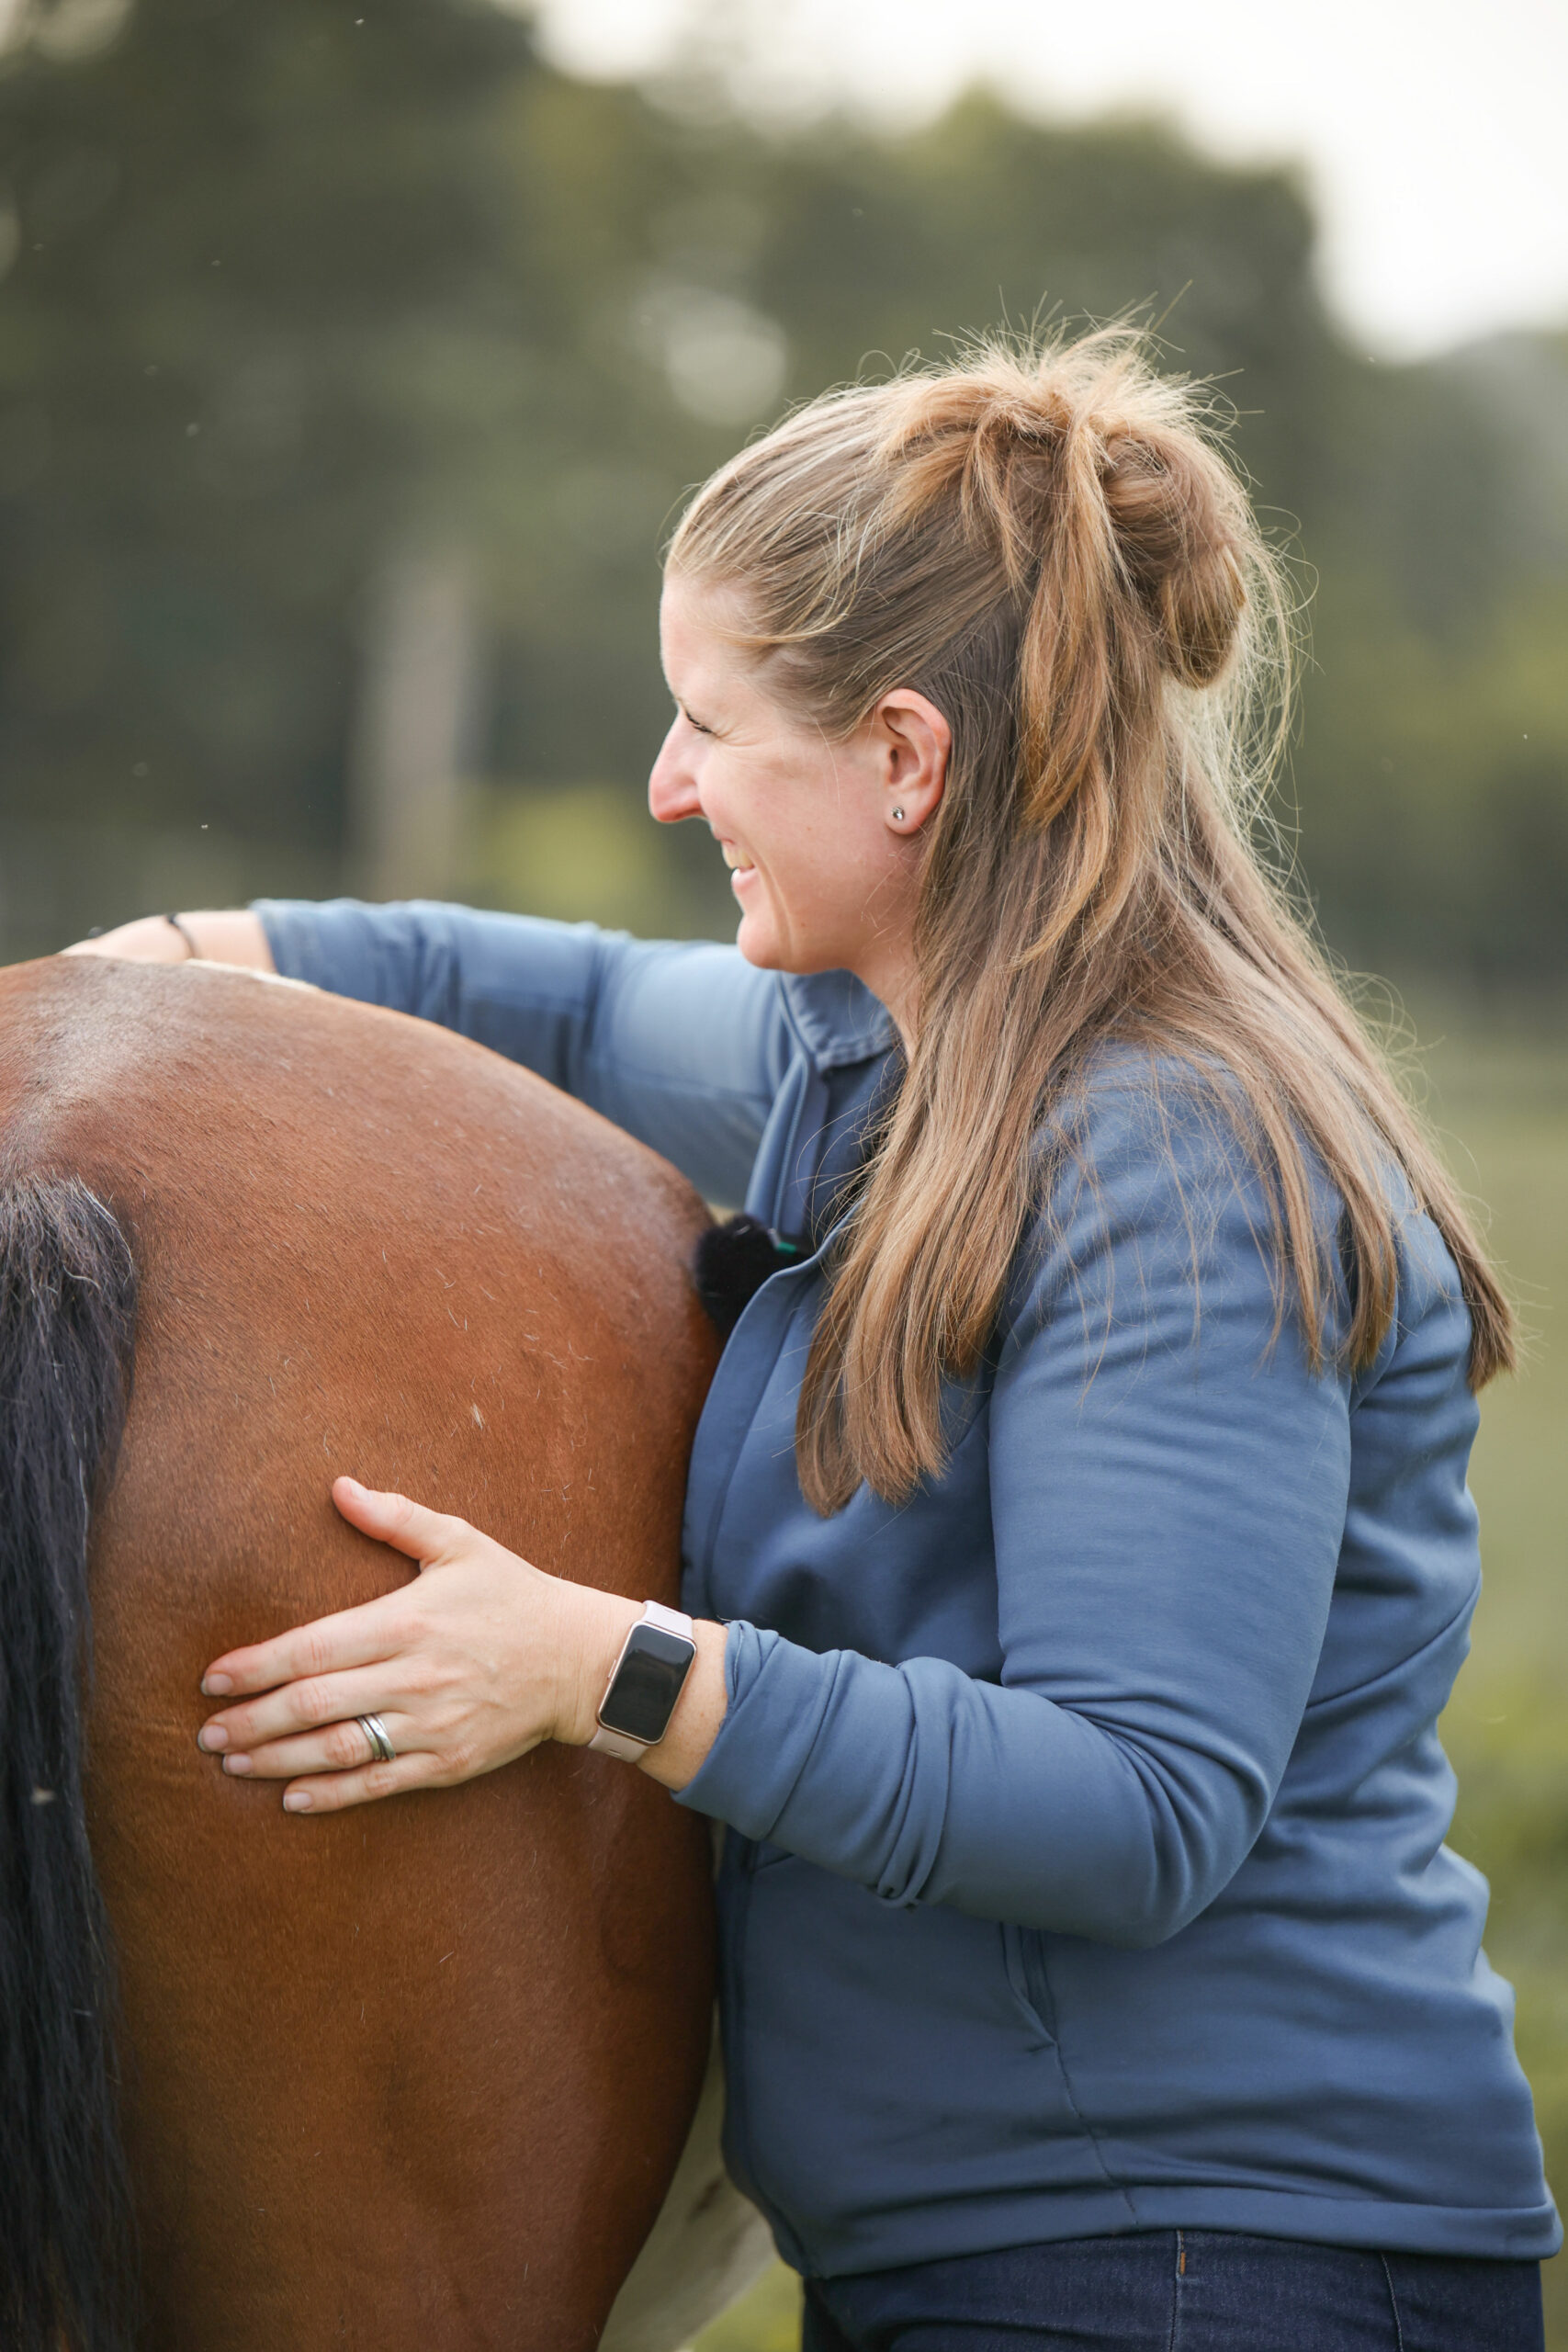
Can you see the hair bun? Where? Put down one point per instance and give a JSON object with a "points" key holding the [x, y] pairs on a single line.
{"points": [[1172, 506]]}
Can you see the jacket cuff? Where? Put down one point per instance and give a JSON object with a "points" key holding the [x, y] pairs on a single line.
{"points": [[775, 1706], [823, 1755], [303, 938]]}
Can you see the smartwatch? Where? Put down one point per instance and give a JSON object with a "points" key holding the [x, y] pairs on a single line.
{"points": [[645, 1683]]}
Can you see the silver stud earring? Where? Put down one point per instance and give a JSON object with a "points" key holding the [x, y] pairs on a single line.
{"points": [[898, 816]]}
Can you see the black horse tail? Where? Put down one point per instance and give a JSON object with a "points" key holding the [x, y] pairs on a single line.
{"points": [[67, 1326]]}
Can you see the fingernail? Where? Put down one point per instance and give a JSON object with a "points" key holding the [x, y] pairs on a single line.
{"points": [[212, 1736], [236, 1763], [216, 1686], [297, 1801]]}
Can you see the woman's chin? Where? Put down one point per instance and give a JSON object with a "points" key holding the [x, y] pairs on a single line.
{"points": [[759, 941]]}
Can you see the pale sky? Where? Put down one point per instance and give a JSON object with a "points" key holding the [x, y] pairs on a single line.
{"points": [[1434, 134]]}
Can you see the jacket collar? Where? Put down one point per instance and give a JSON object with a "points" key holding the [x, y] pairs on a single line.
{"points": [[836, 1018]]}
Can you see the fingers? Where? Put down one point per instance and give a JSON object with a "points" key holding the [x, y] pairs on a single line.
{"points": [[340, 1748], [305, 1706], [335, 1792], [355, 1636], [330, 1645], [424, 1535], [448, 1657]]}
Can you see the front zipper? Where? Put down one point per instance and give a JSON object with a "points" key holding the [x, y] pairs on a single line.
{"points": [[740, 1868], [743, 2165]]}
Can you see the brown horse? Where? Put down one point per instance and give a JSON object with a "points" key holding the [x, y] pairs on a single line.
{"points": [[416, 2077]]}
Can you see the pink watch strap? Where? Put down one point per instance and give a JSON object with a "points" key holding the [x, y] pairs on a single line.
{"points": [[619, 1744], [606, 1742]]}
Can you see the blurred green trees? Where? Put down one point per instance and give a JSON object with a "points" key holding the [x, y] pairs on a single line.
{"points": [[300, 295]]}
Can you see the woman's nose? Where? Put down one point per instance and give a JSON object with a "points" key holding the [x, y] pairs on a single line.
{"points": [[673, 788]]}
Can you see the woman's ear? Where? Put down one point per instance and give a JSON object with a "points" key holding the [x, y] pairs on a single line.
{"points": [[914, 743]]}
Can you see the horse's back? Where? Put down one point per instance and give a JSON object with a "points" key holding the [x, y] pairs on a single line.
{"points": [[414, 2075]]}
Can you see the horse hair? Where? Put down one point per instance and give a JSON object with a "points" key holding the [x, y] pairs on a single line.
{"points": [[67, 1328]]}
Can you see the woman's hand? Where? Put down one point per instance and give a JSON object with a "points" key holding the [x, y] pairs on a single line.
{"points": [[474, 1663]]}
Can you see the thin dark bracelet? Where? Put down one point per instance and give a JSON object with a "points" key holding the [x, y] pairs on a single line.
{"points": [[193, 952]]}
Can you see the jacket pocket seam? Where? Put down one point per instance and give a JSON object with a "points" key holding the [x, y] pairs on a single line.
{"points": [[1014, 1961], [1013, 1942]]}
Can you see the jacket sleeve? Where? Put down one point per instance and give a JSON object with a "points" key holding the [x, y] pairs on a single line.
{"points": [[1169, 1484], [684, 1044]]}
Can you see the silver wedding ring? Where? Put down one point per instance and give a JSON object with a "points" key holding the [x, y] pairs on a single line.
{"points": [[374, 1730]]}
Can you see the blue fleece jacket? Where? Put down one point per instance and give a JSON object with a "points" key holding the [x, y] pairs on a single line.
{"points": [[1087, 1868]]}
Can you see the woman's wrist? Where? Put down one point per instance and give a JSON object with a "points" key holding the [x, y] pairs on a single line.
{"points": [[699, 1710], [593, 1629]]}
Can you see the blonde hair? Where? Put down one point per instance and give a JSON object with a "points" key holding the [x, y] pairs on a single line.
{"points": [[1050, 545]]}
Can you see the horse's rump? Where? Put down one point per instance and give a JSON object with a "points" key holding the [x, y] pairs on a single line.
{"points": [[416, 2075]]}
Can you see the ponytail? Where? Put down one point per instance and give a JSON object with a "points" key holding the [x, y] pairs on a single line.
{"points": [[1052, 547]]}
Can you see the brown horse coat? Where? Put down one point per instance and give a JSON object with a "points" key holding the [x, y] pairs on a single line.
{"points": [[414, 2077]]}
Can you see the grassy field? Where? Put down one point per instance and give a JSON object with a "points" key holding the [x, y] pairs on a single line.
{"points": [[1501, 1103]]}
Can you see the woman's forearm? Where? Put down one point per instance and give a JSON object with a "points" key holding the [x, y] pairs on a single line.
{"points": [[225, 935]]}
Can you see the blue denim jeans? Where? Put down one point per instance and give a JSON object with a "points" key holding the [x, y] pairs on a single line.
{"points": [[1181, 2291]]}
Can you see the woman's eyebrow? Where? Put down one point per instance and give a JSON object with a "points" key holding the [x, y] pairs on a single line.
{"points": [[703, 726]]}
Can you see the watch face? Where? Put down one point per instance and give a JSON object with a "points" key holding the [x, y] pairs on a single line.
{"points": [[642, 1699]]}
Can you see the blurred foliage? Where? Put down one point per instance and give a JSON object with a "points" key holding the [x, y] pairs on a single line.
{"points": [[767, 2320], [292, 290], [579, 851], [1501, 1103]]}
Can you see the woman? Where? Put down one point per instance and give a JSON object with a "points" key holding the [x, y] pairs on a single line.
{"points": [[1076, 1532]]}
